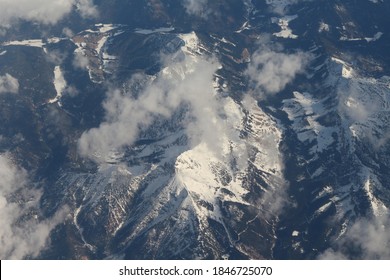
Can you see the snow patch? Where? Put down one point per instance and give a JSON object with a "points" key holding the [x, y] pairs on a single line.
{"points": [[376, 37], [283, 22], [192, 43], [101, 44], [59, 85], [55, 40], [327, 190], [245, 26], [304, 110], [104, 28], [323, 208], [151, 31], [377, 206], [265, 134], [227, 42], [203, 175], [324, 27], [347, 71], [37, 43]]}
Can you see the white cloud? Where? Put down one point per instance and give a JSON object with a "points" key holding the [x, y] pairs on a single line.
{"points": [[196, 7], [8, 84], [188, 82], [87, 9], [55, 57], [68, 32], [366, 239], [43, 11], [11, 177], [80, 61], [71, 91], [380, 142], [22, 233], [270, 71], [281, 6]]}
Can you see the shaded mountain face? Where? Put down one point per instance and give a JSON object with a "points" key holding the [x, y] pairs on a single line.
{"points": [[196, 130]]}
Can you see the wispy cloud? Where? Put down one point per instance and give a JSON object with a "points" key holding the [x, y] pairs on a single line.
{"points": [[270, 69], [87, 9], [80, 61], [196, 7], [8, 84], [42, 11], [185, 83], [365, 239], [22, 233], [282, 6], [353, 105]]}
